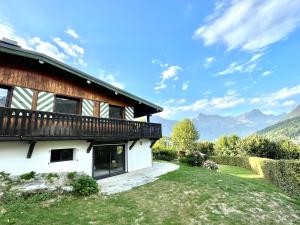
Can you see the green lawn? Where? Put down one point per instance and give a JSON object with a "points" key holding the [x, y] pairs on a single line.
{"points": [[189, 195]]}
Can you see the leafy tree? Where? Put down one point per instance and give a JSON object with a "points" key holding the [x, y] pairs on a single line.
{"points": [[228, 145], [184, 135], [255, 145], [163, 143]]}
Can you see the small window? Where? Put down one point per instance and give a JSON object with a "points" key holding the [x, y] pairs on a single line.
{"points": [[58, 155], [115, 112], [66, 105], [3, 96]]}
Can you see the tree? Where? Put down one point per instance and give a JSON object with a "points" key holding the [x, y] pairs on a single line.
{"points": [[227, 145], [163, 143], [184, 135]]}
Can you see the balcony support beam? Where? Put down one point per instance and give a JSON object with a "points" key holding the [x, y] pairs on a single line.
{"points": [[90, 147], [132, 144], [30, 149], [153, 142]]}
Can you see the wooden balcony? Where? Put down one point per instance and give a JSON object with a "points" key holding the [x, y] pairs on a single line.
{"points": [[23, 125]]}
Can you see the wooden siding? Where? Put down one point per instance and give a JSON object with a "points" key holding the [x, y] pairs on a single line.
{"points": [[49, 80]]}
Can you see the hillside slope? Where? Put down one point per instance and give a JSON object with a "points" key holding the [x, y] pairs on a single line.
{"points": [[289, 128]]}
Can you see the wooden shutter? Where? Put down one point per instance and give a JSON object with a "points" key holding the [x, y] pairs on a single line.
{"points": [[22, 98], [129, 113], [87, 107], [104, 110], [45, 102]]}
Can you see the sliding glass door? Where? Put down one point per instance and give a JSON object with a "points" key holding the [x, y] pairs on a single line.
{"points": [[108, 160]]}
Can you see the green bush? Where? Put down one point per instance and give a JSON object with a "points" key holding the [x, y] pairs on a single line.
{"points": [[51, 176], [84, 185], [28, 176], [167, 155], [259, 146], [206, 147], [285, 174], [227, 145], [71, 175], [193, 159], [287, 150]]}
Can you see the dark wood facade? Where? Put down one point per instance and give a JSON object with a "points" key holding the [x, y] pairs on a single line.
{"points": [[33, 125]]}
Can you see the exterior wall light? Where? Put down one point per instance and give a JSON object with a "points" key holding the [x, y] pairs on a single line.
{"points": [[41, 62], [88, 81]]}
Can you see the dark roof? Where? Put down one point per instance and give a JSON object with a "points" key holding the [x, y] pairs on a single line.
{"points": [[18, 51]]}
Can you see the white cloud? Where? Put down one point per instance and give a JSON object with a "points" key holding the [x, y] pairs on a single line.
{"points": [[229, 100], [250, 24], [266, 73], [170, 72], [69, 50], [160, 86], [185, 85], [256, 57], [47, 48], [208, 61], [72, 33], [110, 78], [173, 101], [289, 103]]}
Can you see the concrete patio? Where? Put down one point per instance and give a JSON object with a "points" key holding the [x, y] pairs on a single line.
{"points": [[127, 181]]}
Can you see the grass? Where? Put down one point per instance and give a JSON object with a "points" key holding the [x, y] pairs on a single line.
{"points": [[189, 195]]}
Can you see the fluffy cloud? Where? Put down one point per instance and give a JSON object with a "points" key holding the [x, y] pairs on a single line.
{"points": [[185, 85], [48, 49], [266, 73], [72, 33], [233, 23], [57, 49], [208, 61], [170, 72], [110, 78], [173, 101]]}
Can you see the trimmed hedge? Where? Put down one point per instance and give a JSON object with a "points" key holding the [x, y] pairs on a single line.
{"points": [[167, 155], [285, 174]]}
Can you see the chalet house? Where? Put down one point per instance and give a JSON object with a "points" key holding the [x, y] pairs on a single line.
{"points": [[55, 118]]}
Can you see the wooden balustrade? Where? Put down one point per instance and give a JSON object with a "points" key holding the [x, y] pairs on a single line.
{"points": [[19, 124]]}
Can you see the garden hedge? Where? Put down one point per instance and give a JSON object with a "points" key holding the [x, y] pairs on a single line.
{"points": [[285, 174], [167, 155]]}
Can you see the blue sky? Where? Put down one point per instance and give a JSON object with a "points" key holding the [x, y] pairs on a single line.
{"points": [[216, 57]]}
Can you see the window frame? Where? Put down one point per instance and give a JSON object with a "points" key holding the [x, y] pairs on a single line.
{"points": [[8, 96], [79, 101], [61, 160], [122, 112]]}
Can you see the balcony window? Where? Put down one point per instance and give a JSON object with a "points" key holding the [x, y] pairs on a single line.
{"points": [[59, 155], [66, 105], [115, 112], [4, 92]]}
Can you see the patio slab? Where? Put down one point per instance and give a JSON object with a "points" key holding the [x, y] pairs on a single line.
{"points": [[127, 181]]}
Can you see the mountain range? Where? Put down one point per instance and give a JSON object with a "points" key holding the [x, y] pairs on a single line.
{"points": [[213, 126]]}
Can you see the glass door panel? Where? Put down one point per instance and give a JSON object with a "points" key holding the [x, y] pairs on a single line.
{"points": [[108, 160]]}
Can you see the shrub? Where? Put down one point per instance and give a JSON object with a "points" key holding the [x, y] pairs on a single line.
{"points": [[285, 174], [193, 159], [206, 147], [287, 150], [163, 143], [259, 146], [210, 165], [50, 176], [167, 155], [4, 176], [71, 175], [227, 145], [85, 185], [28, 176]]}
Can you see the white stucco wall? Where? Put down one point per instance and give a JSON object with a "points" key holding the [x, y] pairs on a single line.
{"points": [[13, 157], [140, 156]]}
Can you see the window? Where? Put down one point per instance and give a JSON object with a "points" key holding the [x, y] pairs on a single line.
{"points": [[58, 155], [115, 112], [4, 92], [66, 105]]}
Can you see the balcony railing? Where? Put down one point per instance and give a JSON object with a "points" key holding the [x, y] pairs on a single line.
{"points": [[19, 124]]}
